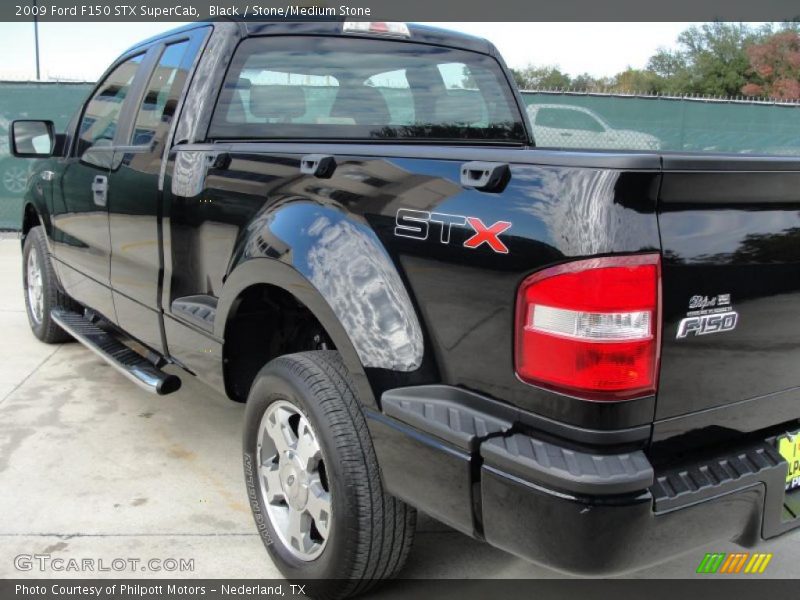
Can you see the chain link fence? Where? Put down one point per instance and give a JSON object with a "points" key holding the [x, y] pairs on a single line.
{"points": [[560, 120], [29, 100], [641, 122]]}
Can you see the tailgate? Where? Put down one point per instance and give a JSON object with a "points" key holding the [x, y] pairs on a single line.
{"points": [[730, 230]]}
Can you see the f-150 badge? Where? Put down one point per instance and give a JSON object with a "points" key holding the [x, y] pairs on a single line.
{"points": [[417, 224], [708, 315]]}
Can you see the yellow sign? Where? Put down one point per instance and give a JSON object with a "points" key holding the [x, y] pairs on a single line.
{"points": [[789, 448]]}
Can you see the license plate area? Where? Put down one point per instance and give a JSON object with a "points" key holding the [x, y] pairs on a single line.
{"points": [[789, 449]]}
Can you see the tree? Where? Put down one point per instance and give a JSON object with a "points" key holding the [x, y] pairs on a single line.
{"points": [[467, 79], [586, 83], [711, 59], [671, 71], [519, 79], [532, 77], [775, 67], [718, 57], [632, 81]]}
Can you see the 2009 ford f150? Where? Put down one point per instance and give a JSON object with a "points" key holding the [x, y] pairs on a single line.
{"points": [[588, 359]]}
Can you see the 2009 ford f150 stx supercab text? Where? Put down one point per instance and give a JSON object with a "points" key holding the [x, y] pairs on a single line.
{"points": [[588, 359]]}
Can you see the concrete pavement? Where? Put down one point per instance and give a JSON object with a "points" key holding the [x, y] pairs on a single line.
{"points": [[93, 467]]}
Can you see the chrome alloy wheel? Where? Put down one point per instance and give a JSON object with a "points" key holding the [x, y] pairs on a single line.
{"points": [[34, 282], [293, 480]]}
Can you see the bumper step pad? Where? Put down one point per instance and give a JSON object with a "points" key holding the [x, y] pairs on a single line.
{"points": [[757, 465], [712, 477], [447, 418], [569, 470]]}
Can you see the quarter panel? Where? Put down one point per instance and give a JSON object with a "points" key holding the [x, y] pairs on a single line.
{"points": [[415, 311], [466, 297]]}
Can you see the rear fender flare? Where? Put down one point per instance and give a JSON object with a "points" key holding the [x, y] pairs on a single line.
{"points": [[336, 266]]}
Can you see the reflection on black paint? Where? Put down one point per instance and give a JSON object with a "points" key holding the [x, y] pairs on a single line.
{"points": [[386, 290]]}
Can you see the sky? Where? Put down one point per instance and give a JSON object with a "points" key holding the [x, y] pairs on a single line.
{"points": [[82, 51]]}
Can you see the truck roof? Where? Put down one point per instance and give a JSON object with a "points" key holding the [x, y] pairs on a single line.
{"points": [[419, 33]]}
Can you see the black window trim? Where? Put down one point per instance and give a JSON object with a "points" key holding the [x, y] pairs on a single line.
{"points": [[196, 39], [122, 141], [199, 37], [152, 52]]}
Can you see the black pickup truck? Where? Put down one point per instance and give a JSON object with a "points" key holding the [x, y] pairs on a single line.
{"points": [[588, 359]]}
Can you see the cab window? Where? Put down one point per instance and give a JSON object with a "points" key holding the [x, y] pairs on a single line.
{"points": [[101, 116], [349, 88], [161, 98]]}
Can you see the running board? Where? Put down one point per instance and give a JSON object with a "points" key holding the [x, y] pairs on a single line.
{"points": [[134, 366]]}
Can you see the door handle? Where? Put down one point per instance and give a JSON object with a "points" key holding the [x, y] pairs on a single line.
{"points": [[100, 190], [318, 165], [485, 176], [220, 160]]}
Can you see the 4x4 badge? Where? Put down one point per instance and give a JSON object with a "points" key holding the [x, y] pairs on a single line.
{"points": [[708, 315]]}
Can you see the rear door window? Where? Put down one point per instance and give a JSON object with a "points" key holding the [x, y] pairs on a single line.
{"points": [[161, 98]]}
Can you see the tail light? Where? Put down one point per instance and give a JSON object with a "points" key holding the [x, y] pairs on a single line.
{"points": [[591, 328]]}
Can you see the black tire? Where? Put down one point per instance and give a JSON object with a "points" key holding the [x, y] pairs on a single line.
{"points": [[371, 532], [44, 327]]}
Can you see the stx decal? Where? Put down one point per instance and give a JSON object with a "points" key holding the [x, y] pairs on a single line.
{"points": [[417, 224], [487, 235]]}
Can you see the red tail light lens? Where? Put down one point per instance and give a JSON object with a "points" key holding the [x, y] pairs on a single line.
{"points": [[590, 328]]}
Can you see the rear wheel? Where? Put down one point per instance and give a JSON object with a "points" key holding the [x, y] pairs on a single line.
{"points": [[293, 481], [314, 482], [42, 293]]}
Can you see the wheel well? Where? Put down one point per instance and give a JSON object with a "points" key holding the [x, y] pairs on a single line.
{"points": [[30, 219], [265, 322]]}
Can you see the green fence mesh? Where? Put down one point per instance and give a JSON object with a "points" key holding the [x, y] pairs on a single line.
{"points": [[23, 100], [563, 120], [607, 121]]}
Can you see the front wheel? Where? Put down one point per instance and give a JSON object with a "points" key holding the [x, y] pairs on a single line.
{"points": [[42, 293], [313, 479]]}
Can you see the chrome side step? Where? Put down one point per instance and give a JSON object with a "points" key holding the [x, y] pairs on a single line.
{"points": [[134, 366]]}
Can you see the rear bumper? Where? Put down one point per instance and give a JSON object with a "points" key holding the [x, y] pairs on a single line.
{"points": [[465, 462]]}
